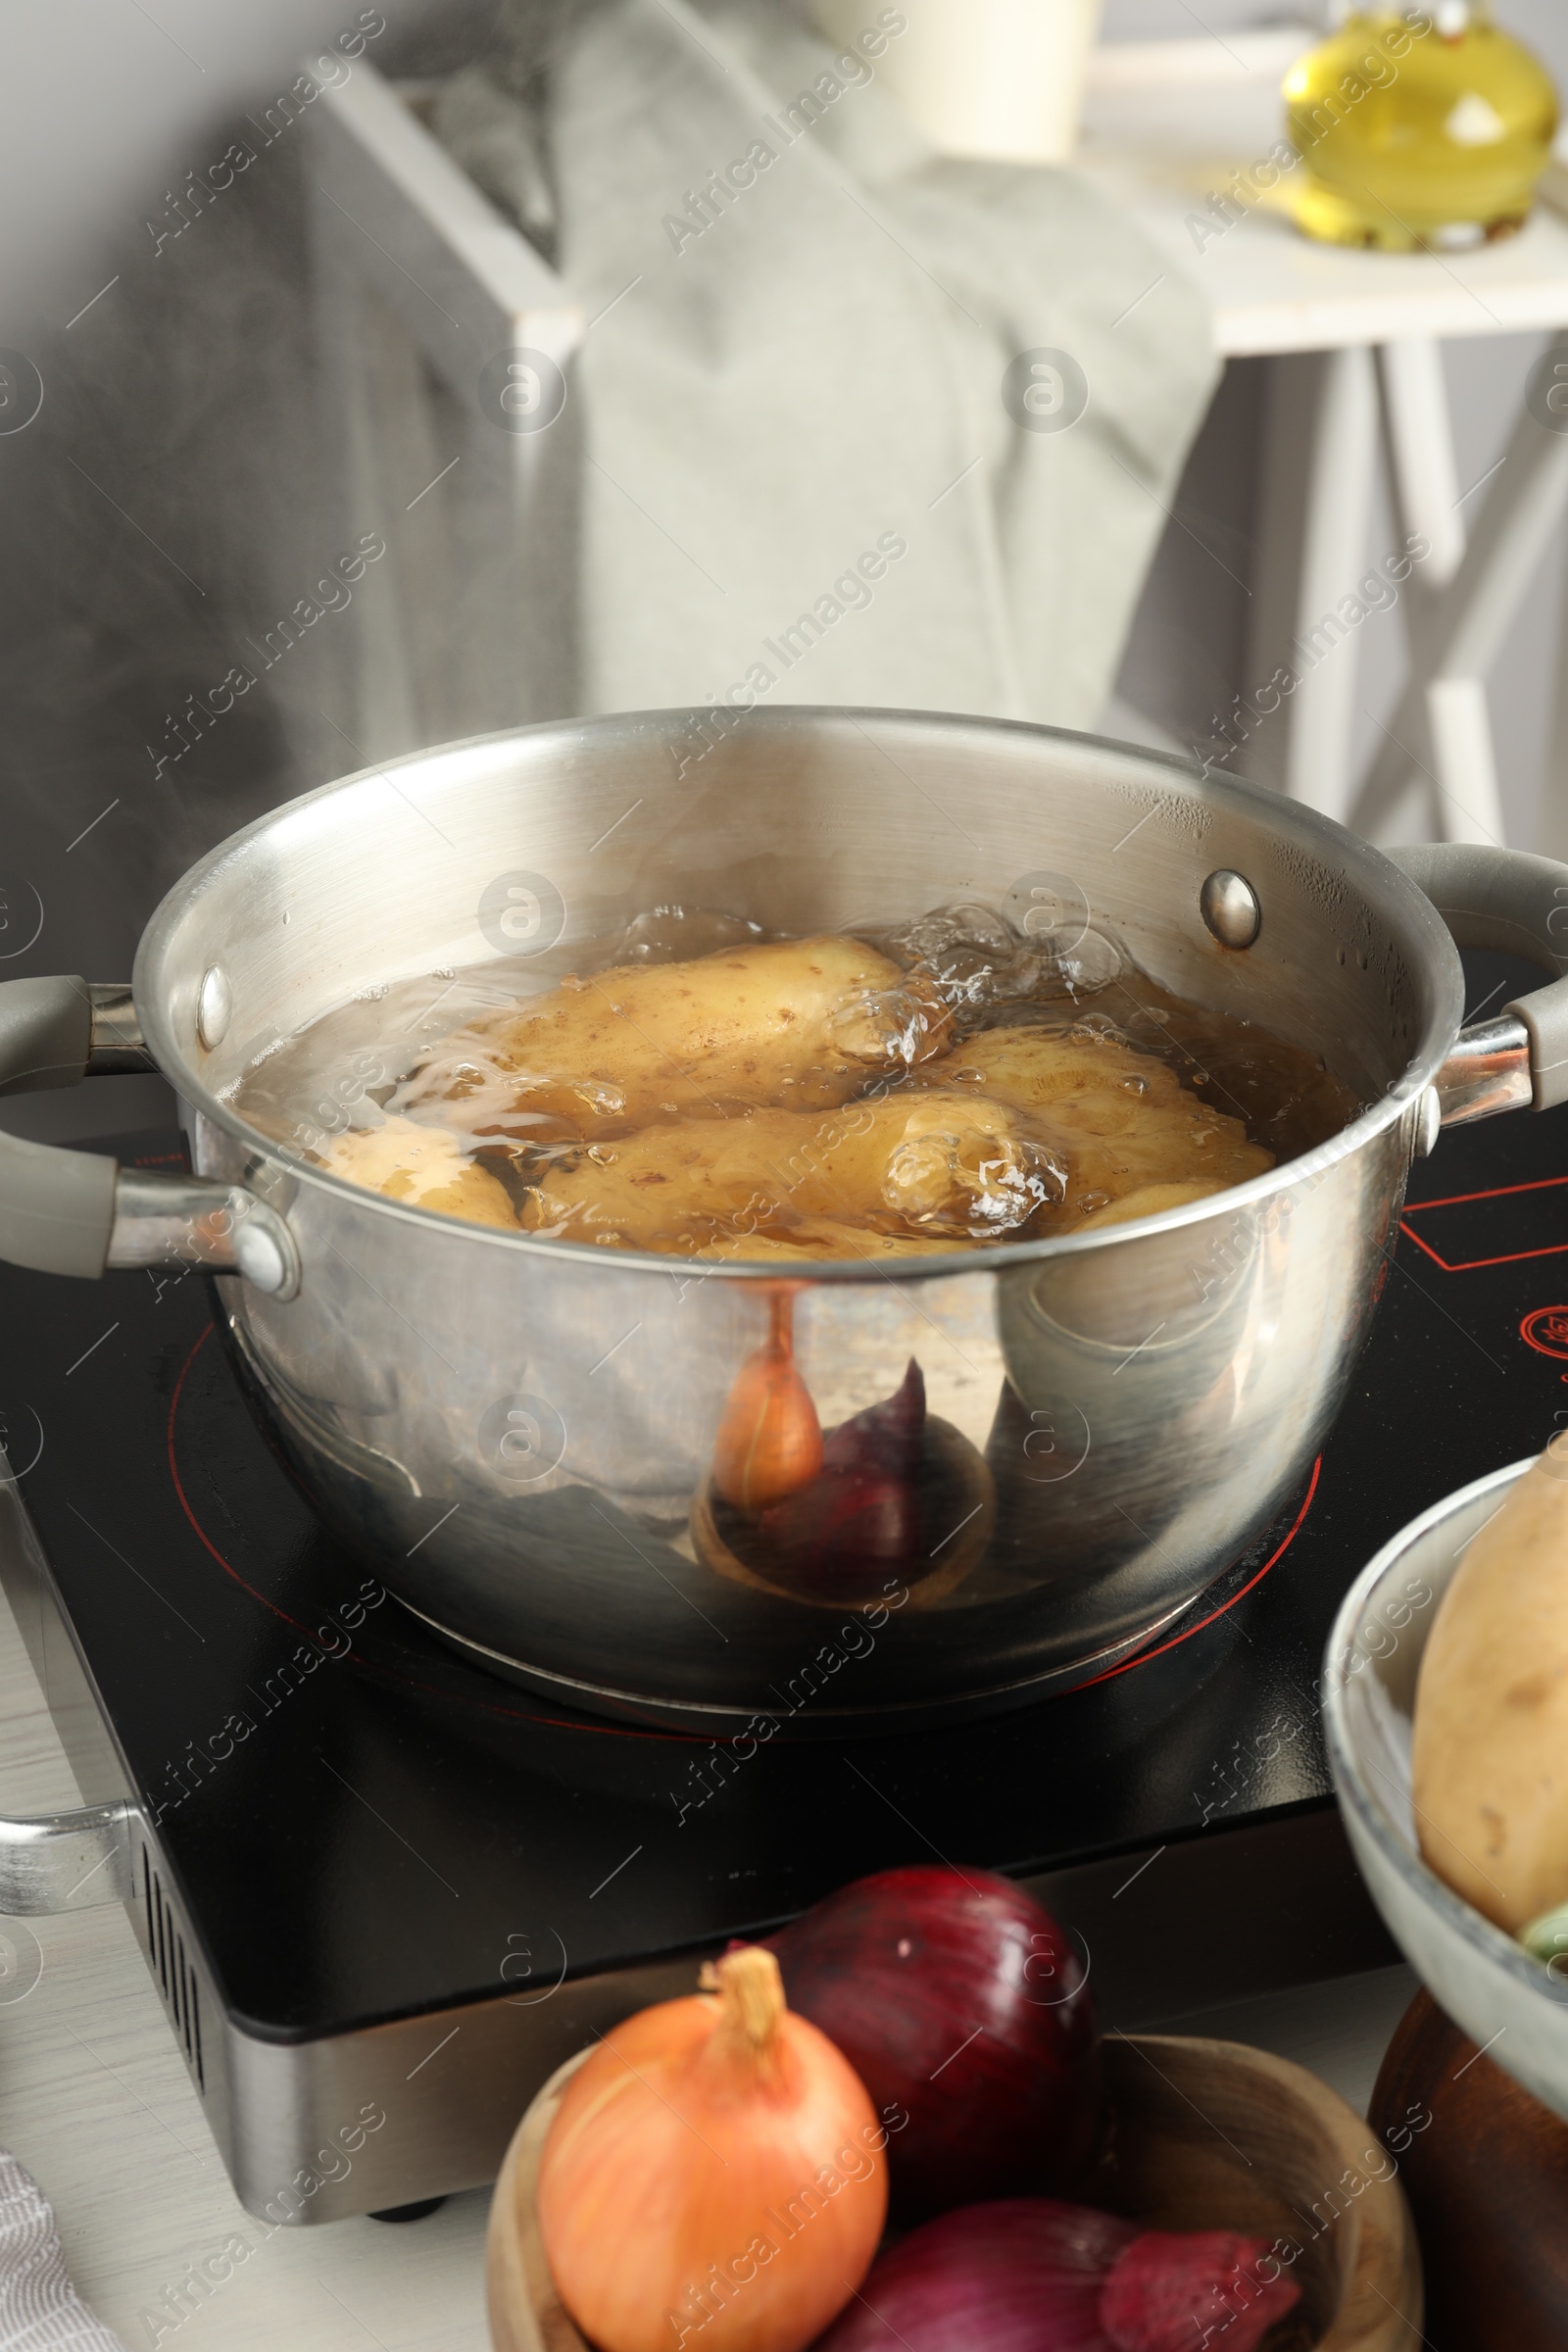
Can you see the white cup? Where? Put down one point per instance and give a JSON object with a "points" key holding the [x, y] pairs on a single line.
{"points": [[985, 77]]}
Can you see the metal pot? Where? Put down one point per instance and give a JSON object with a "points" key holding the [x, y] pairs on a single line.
{"points": [[517, 1433]]}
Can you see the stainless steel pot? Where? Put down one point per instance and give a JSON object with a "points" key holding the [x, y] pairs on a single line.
{"points": [[517, 1434]]}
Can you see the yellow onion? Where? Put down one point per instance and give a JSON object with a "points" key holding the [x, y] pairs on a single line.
{"points": [[770, 1440], [713, 2180]]}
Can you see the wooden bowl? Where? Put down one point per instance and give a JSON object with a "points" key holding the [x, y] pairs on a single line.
{"points": [[526, 2314], [1213, 2134], [1485, 2169], [1205, 2134]]}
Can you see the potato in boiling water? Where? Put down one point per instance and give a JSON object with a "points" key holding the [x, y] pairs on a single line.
{"points": [[1123, 1122], [1151, 1200], [804, 1239], [789, 1101], [804, 1023], [946, 1166], [426, 1167]]}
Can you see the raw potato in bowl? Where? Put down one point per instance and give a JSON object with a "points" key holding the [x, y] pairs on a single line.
{"points": [[1488, 1763]]}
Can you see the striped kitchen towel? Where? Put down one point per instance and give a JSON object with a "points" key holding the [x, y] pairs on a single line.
{"points": [[40, 2311]]}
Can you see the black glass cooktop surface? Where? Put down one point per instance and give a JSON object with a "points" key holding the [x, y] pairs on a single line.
{"points": [[361, 1825]]}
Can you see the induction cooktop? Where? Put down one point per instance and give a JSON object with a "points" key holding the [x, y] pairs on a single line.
{"points": [[382, 1895]]}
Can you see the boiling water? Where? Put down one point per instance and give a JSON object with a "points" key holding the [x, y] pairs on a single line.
{"points": [[972, 1084]]}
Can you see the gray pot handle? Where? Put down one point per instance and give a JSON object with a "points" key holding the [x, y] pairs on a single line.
{"points": [[77, 1213], [1508, 899], [66, 1861]]}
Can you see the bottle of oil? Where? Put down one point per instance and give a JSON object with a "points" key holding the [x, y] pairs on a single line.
{"points": [[1419, 127]]}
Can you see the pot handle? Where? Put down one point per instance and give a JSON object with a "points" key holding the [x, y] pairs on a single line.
{"points": [[1513, 901], [77, 1213], [49, 1859]]}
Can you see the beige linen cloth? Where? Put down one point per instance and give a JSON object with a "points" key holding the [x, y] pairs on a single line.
{"points": [[791, 374]]}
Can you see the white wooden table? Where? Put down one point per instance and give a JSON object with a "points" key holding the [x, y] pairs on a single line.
{"points": [[1167, 127], [95, 2100]]}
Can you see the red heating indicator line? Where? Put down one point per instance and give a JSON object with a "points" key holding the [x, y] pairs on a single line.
{"points": [[1498, 1192], [1225, 1607]]}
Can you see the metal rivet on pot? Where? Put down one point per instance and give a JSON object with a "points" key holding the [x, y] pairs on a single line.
{"points": [[1230, 908], [1427, 1121], [215, 1007], [260, 1259]]}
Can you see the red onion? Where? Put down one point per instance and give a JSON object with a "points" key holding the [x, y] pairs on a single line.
{"points": [[1172, 2289], [860, 1515], [1029, 2275], [1024, 2275], [960, 2004]]}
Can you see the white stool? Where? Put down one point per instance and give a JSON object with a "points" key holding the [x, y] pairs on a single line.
{"points": [[419, 283]]}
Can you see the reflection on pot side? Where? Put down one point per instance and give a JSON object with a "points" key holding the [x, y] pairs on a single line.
{"points": [[893, 1490]]}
